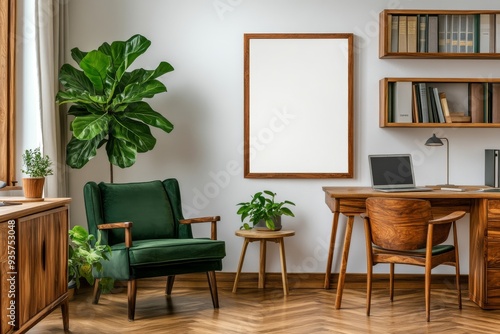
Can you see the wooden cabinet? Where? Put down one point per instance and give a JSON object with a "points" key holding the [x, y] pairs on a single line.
{"points": [[37, 262], [468, 107], [484, 273], [452, 34]]}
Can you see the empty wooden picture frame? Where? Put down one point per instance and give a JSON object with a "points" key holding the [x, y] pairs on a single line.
{"points": [[298, 105]]}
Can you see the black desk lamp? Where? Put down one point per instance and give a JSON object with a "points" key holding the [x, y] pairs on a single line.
{"points": [[435, 141]]}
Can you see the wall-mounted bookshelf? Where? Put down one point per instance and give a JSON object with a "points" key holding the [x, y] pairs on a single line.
{"points": [[439, 34], [440, 102]]}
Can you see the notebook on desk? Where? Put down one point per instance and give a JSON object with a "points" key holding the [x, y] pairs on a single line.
{"points": [[393, 173]]}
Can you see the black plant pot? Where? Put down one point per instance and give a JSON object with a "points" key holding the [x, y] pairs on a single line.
{"points": [[261, 225]]}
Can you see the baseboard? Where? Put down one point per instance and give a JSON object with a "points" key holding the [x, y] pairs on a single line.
{"points": [[225, 280]]}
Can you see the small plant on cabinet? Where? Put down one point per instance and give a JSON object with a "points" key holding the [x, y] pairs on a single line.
{"points": [[37, 166]]}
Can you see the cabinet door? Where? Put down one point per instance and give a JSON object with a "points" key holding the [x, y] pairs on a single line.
{"points": [[5, 297], [42, 261]]}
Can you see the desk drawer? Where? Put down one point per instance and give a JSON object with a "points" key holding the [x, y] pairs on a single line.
{"points": [[493, 253], [494, 225], [493, 287], [494, 209]]}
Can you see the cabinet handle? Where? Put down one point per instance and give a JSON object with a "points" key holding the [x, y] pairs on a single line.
{"points": [[43, 255]]}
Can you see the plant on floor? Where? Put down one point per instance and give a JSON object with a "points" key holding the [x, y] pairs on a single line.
{"points": [[85, 255], [263, 207], [107, 103]]}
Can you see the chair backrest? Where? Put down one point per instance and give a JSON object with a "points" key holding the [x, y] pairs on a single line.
{"points": [[402, 224], [153, 207]]}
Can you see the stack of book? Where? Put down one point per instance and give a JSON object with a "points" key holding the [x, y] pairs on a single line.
{"points": [[445, 33], [422, 102], [417, 103]]}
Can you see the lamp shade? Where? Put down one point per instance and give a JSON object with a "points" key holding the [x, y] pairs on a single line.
{"points": [[434, 141]]}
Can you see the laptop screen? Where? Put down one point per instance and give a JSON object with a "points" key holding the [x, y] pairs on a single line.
{"points": [[391, 171]]}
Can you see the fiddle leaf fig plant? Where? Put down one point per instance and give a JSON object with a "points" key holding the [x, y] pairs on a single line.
{"points": [[107, 102]]}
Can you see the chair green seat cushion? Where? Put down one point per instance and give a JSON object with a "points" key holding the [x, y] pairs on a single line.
{"points": [[165, 251], [436, 250]]}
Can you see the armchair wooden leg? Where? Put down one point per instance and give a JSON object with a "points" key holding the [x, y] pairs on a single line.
{"points": [[212, 284], [131, 292], [170, 285], [97, 291]]}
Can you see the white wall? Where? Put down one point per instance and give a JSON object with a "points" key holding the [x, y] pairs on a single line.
{"points": [[203, 40]]}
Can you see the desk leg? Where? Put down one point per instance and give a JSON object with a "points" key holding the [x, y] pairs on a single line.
{"points": [[240, 265], [262, 268], [333, 236], [283, 266], [343, 265]]}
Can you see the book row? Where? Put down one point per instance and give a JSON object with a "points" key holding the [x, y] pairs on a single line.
{"points": [[444, 33], [423, 102]]}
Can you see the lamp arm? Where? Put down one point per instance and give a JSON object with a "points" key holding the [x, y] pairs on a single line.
{"points": [[447, 160]]}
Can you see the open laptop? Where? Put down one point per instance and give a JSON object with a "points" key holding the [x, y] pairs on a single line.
{"points": [[393, 173]]}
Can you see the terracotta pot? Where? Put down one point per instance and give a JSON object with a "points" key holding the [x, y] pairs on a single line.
{"points": [[33, 187]]}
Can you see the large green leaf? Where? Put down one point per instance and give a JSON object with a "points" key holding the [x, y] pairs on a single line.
{"points": [[141, 75], [143, 112], [79, 152], [77, 55], [78, 110], [88, 127], [106, 49], [134, 132], [95, 65], [121, 153], [134, 47], [74, 79], [136, 92], [75, 96]]}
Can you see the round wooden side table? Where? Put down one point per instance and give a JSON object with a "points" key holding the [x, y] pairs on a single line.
{"points": [[263, 237]]}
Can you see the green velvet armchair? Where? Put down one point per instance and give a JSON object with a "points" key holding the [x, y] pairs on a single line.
{"points": [[144, 225]]}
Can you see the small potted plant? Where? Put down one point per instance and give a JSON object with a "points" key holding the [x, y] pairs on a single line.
{"points": [[263, 212], [37, 166], [85, 255]]}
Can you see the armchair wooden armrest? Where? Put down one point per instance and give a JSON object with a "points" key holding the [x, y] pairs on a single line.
{"points": [[126, 225], [210, 219], [454, 216]]}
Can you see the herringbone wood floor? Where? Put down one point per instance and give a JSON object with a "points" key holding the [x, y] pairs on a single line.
{"points": [[311, 311]]}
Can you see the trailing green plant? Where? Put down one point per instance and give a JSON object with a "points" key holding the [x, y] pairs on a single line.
{"points": [[107, 102], [36, 164], [85, 255], [263, 207]]}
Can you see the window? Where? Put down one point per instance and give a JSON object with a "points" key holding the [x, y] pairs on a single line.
{"points": [[7, 90]]}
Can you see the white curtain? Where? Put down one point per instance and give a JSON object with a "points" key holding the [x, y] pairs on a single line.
{"points": [[51, 24]]}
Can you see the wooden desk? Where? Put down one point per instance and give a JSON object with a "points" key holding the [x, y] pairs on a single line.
{"points": [[484, 235], [33, 262], [263, 237]]}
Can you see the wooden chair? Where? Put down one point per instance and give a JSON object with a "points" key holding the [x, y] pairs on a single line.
{"points": [[403, 231]]}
